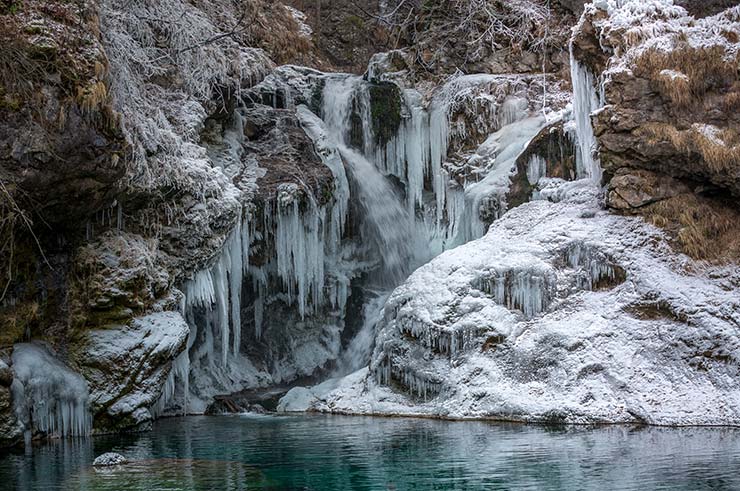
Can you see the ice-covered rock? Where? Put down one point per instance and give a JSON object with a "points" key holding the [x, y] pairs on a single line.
{"points": [[130, 369], [630, 331], [48, 396]]}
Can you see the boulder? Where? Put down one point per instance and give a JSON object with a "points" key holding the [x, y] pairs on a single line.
{"points": [[109, 459], [631, 189], [127, 368]]}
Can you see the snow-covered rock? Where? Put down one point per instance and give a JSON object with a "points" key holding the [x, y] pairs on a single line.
{"points": [[128, 368], [108, 459], [596, 319]]}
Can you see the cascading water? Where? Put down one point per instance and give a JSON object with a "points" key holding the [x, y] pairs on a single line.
{"points": [[405, 209], [357, 354], [386, 223]]}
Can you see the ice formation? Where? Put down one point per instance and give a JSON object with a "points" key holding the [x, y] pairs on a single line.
{"points": [[649, 349], [408, 208], [48, 396], [585, 102], [529, 290]]}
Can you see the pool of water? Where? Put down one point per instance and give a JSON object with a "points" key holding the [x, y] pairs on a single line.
{"points": [[324, 452]]}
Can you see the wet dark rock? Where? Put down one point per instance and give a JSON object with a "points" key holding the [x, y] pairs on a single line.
{"points": [[556, 148]]}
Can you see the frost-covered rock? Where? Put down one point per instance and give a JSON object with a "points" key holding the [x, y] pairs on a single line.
{"points": [[670, 80], [629, 331], [108, 459], [131, 368], [11, 429]]}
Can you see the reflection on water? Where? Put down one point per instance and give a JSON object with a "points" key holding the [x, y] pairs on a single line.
{"points": [[343, 453]]}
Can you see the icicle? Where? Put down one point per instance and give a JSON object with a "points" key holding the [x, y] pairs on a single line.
{"points": [[594, 267], [529, 291], [47, 395], [585, 102], [536, 169], [300, 249]]}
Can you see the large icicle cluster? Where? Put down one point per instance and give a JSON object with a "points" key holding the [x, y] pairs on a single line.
{"points": [[212, 307], [48, 396], [304, 268]]}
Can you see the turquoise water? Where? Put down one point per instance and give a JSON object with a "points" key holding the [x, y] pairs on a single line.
{"points": [[347, 453]]}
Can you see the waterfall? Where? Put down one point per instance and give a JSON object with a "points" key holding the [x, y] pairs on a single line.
{"points": [[358, 352], [585, 102], [406, 207], [386, 223]]}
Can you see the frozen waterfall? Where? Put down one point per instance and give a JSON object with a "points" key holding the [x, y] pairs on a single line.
{"points": [[585, 102], [48, 396], [386, 223]]}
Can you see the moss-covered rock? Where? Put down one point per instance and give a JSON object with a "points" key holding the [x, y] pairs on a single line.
{"points": [[556, 149], [385, 106]]}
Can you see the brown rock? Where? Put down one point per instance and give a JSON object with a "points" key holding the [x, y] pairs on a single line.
{"points": [[631, 189]]}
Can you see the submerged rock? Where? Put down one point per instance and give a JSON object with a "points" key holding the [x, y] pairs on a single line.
{"points": [[109, 459]]}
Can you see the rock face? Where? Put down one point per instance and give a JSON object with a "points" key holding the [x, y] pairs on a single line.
{"points": [[629, 190], [667, 128], [122, 177], [10, 430], [130, 369]]}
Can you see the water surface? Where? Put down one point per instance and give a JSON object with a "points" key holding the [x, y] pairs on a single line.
{"points": [[320, 452]]}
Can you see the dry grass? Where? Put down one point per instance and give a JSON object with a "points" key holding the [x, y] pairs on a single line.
{"points": [[703, 228], [701, 70], [720, 151], [16, 323]]}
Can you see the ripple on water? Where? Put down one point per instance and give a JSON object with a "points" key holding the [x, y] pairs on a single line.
{"points": [[320, 452]]}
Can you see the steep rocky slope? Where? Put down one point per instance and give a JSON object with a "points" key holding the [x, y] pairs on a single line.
{"points": [[122, 175]]}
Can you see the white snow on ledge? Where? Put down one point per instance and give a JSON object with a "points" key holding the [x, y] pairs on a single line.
{"points": [[659, 348]]}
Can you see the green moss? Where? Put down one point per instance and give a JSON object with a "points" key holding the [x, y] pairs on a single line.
{"points": [[385, 105], [10, 102], [17, 322], [317, 97], [354, 22], [34, 28], [10, 7]]}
